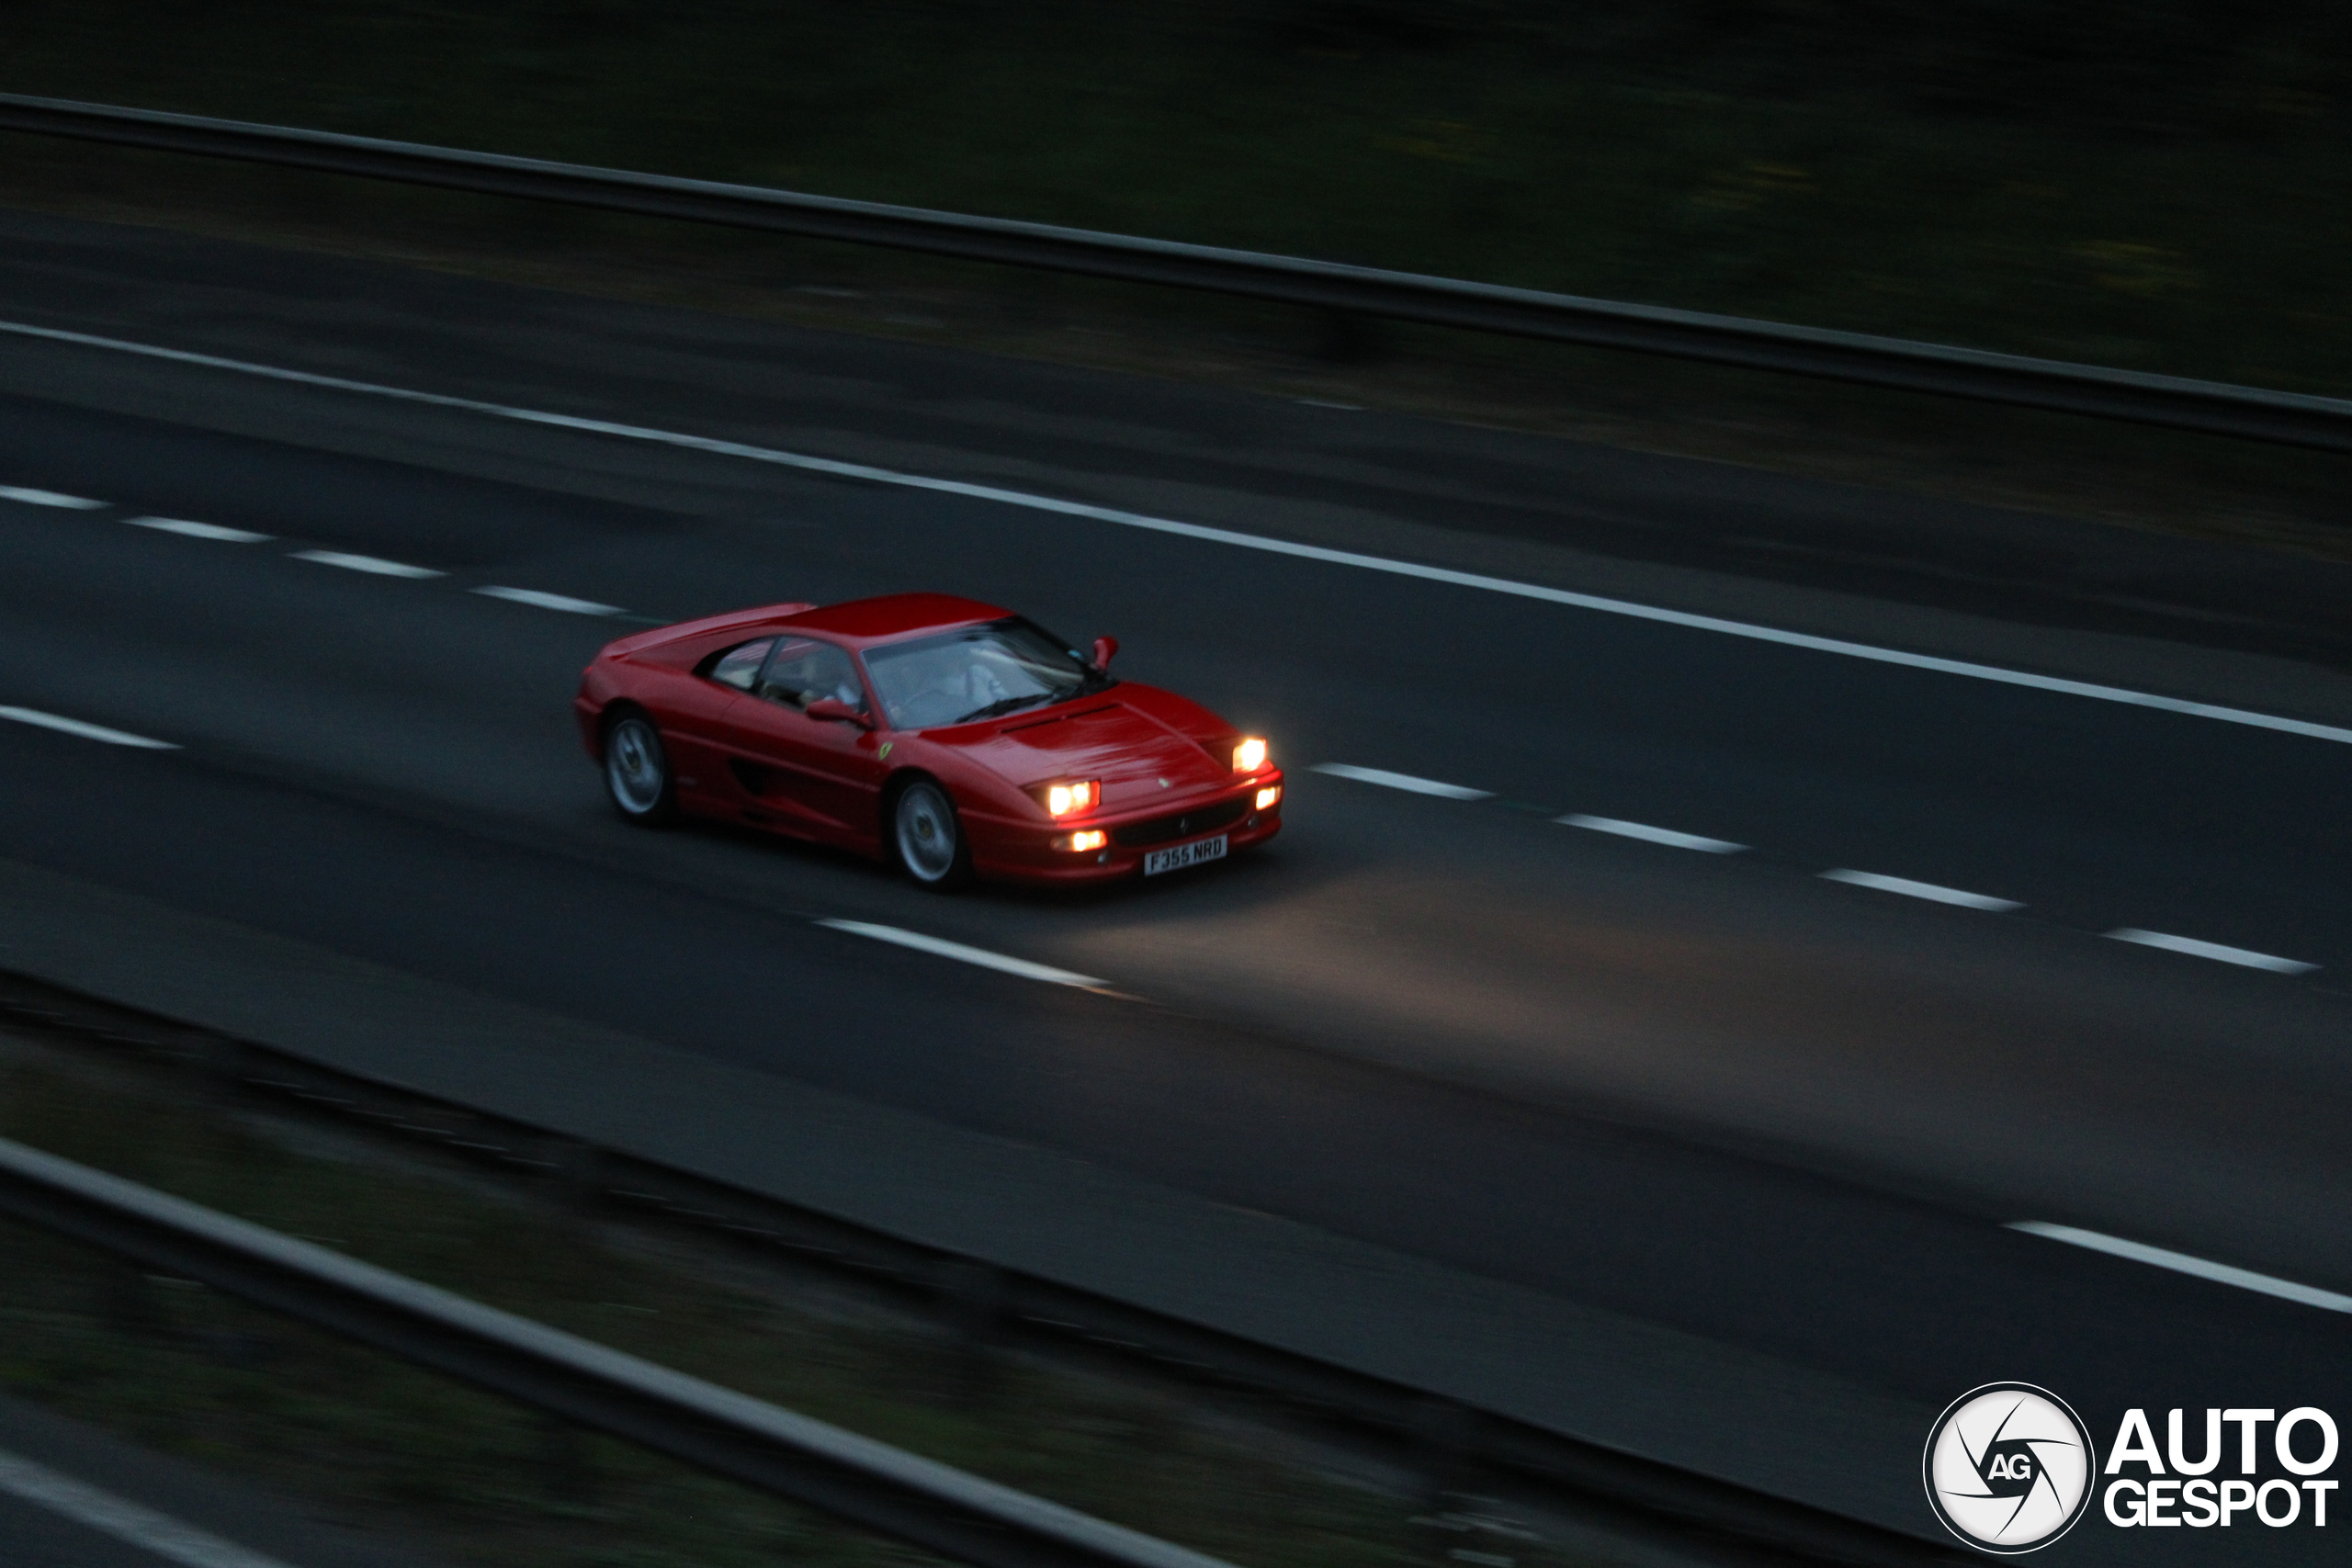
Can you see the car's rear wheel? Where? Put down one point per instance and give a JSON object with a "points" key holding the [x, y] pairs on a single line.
{"points": [[637, 771], [927, 838]]}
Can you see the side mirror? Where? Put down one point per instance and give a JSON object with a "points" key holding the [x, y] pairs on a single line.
{"points": [[1105, 650], [834, 708]]}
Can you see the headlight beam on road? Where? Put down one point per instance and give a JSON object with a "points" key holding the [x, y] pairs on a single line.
{"points": [[940, 947]]}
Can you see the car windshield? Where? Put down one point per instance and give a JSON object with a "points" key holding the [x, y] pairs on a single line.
{"points": [[978, 672]]}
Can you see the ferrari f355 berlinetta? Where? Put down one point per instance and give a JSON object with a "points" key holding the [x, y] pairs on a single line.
{"points": [[951, 736]]}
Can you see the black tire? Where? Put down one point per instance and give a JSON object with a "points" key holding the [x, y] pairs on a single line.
{"points": [[926, 838], [637, 771]]}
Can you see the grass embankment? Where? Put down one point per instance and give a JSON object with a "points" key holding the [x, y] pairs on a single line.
{"points": [[182, 1368]]}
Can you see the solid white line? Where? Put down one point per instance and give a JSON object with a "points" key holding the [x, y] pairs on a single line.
{"points": [[550, 600], [2246, 957], [366, 563], [125, 1520], [1926, 890], [86, 731], [49, 498], [2181, 1262], [1383, 777], [1653, 835], [188, 530], [959, 952], [1216, 535]]}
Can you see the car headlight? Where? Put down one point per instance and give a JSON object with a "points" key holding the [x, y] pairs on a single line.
{"points": [[1065, 796], [1248, 754]]}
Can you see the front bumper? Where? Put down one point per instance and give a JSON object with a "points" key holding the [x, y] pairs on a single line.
{"points": [[1029, 853]]}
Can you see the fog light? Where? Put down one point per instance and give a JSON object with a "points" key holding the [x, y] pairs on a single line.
{"points": [[1268, 797], [1094, 838]]}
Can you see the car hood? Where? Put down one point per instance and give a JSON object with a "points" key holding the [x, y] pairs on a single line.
{"points": [[1139, 754]]}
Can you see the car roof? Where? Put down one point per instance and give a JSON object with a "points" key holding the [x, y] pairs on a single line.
{"points": [[894, 616]]}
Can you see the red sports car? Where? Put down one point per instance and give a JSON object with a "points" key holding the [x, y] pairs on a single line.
{"points": [[947, 735]]}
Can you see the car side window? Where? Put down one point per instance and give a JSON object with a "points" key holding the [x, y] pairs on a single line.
{"points": [[803, 671], [739, 667]]}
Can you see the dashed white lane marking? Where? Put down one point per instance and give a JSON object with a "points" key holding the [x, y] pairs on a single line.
{"points": [[963, 954], [2181, 1262], [2245, 957], [1388, 780], [366, 563], [1926, 890], [86, 731], [49, 498], [143, 1528], [550, 600], [1643, 831], [871, 475], [191, 530]]}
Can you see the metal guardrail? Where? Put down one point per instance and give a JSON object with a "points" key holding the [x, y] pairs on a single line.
{"points": [[868, 1483], [1641, 1498], [2212, 407]]}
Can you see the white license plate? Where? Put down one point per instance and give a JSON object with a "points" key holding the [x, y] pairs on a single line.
{"points": [[1183, 855]]}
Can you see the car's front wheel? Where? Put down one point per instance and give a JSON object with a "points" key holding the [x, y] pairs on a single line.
{"points": [[927, 838], [637, 771]]}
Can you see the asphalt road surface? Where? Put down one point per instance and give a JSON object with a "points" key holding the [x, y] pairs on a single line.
{"points": [[1707, 1084]]}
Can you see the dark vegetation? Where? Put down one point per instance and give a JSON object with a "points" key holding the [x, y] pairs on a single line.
{"points": [[2163, 185]]}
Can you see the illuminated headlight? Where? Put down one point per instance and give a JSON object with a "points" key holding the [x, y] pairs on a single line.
{"points": [[1092, 839], [1077, 795], [1268, 797], [1249, 755]]}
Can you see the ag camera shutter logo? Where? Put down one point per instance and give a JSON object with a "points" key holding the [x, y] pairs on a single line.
{"points": [[2008, 1467]]}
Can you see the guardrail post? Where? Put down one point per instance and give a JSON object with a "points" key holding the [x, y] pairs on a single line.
{"points": [[976, 1297], [126, 1300], [222, 1064], [1447, 1436], [1347, 337], [576, 1177], [568, 1463]]}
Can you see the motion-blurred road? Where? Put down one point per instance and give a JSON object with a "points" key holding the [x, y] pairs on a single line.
{"points": [[1716, 1090]]}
